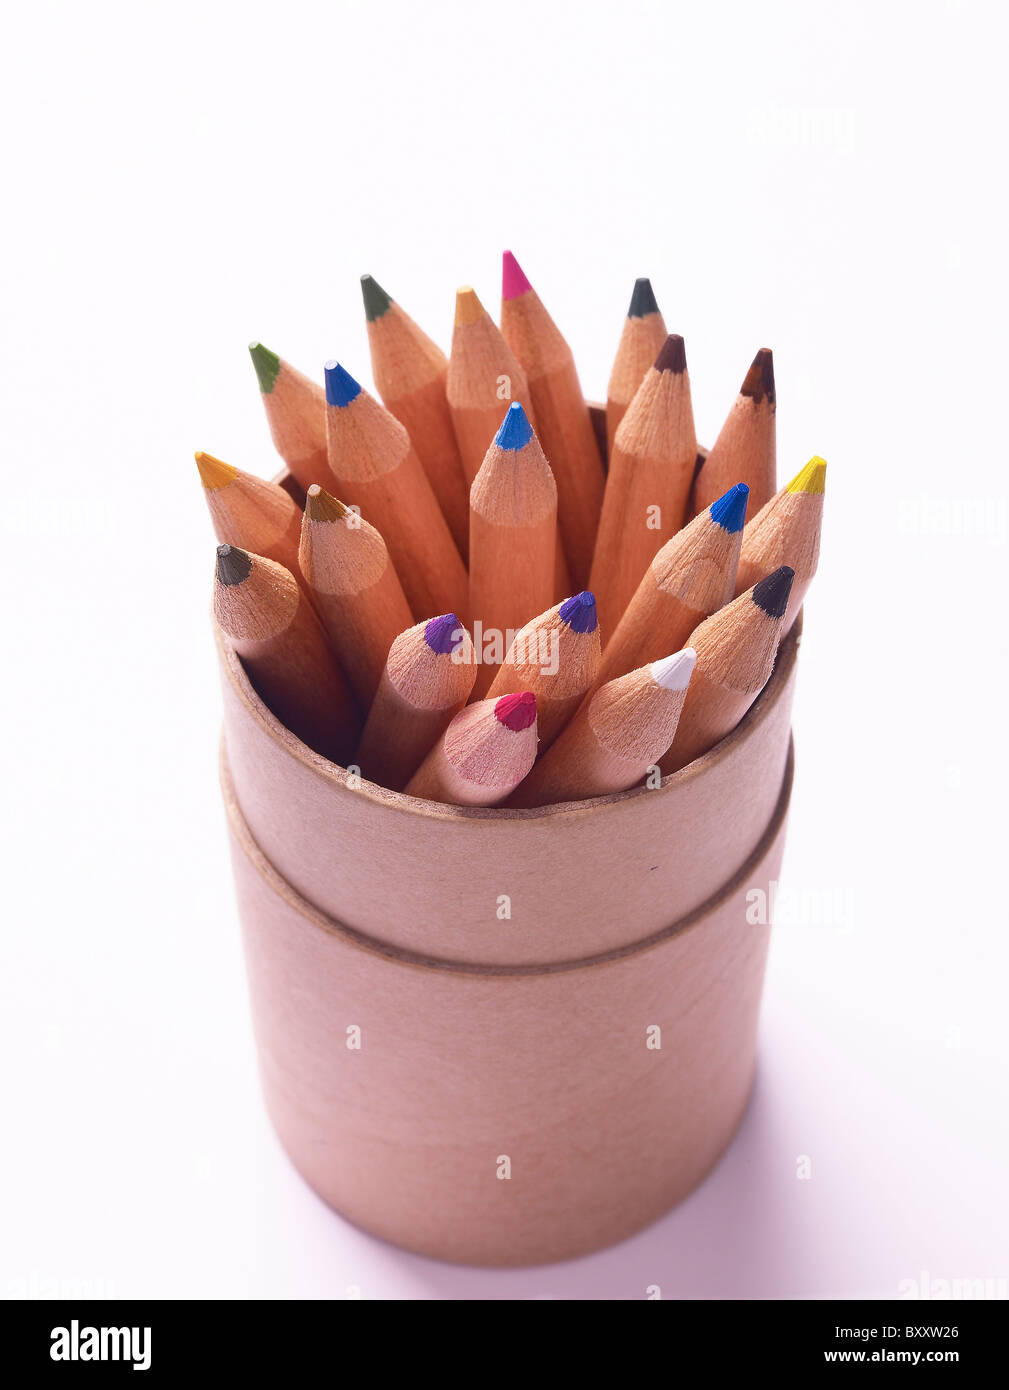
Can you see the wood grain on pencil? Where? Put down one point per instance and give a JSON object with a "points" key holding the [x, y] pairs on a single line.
{"points": [[648, 485], [279, 637], [483, 754], [296, 413], [409, 371], [354, 586], [691, 576], [562, 417], [744, 451], [426, 681], [735, 650], [513, 528], [556, 656], [250, 512], [641, 339], [786, 531], [616, 738], [376, 467]]}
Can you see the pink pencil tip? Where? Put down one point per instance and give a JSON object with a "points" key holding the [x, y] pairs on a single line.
{"points": [[513, 279], [516, 712]]}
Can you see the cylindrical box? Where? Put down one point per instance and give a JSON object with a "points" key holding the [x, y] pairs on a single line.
{"points": [[496, 1036]]}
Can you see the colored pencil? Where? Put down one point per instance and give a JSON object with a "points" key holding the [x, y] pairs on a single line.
{"points": [[691, 576], [744, 451], [615, 739], [786, 530], [377, 468], [354, 586], [279, 637], [483, 754], [296, 413], [556, 656], [251, 512], [641, 340], [648, 484], [562, 417], [409, 371], [735, 655], [426, 681], [484, 377], [513, 529]]}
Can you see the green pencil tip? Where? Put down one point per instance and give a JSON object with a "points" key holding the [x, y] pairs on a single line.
{"points": [[376, 301], [267, 365]]}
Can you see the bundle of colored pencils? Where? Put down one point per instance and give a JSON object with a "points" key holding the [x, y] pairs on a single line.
{"points": [[409, 601]]}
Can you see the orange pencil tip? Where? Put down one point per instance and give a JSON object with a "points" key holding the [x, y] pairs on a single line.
{"points": [[213, 473]]}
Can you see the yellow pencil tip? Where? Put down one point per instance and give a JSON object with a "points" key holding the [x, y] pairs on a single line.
{"points": [[321, 506], [468, 308], [812, 478], [213, 473]]}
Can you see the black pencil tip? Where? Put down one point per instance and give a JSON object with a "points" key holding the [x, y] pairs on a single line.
{"points": [[642, 299], [376, 301], [759, 381], [771, 594], [233, 565], [673, 356]]}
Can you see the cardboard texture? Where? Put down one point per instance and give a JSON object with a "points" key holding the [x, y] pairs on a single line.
{"points": [[464, 1069]]}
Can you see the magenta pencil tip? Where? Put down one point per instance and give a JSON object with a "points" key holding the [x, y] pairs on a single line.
{"points": [[516, 712], [513, 277]]}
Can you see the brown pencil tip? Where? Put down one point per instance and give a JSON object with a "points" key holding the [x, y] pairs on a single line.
{"points": [[468, 308], [673, 355], [759, 382], [213, 473], [233, 565], [322, 506]]}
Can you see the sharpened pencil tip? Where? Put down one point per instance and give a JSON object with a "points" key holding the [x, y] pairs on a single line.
{"points": [[468, 308], [376, 301], [771, 594], [579, 612], [812, 478], [515, 431], [673, 672], [513, 277], [642, 299], [267, 365], [729, 511], [672, 356], [213, 473], [233, 565], [321, 505], [341, 388], [516, 712], [758, 383], [444, 634]]}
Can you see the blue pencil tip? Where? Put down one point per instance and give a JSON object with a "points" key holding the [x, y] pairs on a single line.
{"points": [[515, 431], [579, 612], [730, 511], [341, 388]]}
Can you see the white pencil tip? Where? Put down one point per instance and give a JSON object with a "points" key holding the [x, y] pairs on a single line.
{"points": [[673, 672]]}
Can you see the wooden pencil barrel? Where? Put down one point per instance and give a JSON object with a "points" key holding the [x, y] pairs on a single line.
{"points": [[444, 995]]}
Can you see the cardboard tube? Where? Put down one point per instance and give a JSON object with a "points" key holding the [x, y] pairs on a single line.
{"points": [[504, 1115]]}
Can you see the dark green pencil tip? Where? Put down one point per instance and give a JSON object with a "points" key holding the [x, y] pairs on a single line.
{"points": [[376, 301], [267, 365], [642, 300], [233, 565]]}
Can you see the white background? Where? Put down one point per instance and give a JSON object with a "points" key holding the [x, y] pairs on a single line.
{"points": [[826, 179]]}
